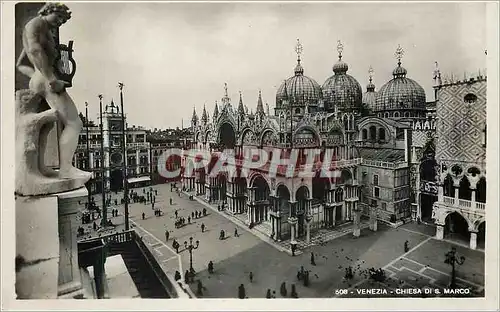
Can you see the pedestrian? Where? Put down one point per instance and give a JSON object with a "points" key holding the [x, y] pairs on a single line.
{"points": [[116, 202], [407, 248], [218, 208], [192, 215], [153, 205], [274, 294], [170, 201], [189, 219], [204, 211], [312, 259], [294, 248], [268, 294], [294, 294], [167, 235], [187, 276], [200, 289], [177, 276], [283, 291], [250, 276], [306, 278], [210, 267], [176, 214], [156, 192], [94, 226], [203, 227], [143, 216], [241, 291], [236, 232], [221, 237]]}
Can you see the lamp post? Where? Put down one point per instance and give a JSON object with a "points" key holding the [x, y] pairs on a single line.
{"points": [[104, 220], [89, 191], [452, 259], [190, 248], [124, 152]]}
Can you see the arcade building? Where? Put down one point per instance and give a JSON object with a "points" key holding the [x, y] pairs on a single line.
{"points": [[383, 146]]}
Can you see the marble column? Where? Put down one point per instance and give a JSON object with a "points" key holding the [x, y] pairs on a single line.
{"points": [[456, 196], [473, 240], [439, 231], [473, 198], [373, 219]]}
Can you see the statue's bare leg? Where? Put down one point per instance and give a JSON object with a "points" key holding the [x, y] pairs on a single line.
{"points": [[68, 140]]}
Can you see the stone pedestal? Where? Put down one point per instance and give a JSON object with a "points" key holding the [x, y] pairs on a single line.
{"points": [[357, 220], [46, 229], [439, 231]]}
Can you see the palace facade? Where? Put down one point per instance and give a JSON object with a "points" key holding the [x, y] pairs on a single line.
{"points": [[382, 146]]}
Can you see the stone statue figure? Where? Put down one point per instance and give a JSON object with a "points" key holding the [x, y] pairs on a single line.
{"points": [[38, 62]]}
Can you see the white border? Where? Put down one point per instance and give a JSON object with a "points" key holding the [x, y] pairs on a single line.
{"points": [[8, 228]]}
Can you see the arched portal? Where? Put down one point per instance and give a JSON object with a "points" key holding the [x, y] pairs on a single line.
{"points": [[302, 198], [262, 205], [116, 180], [283, 198], [227, 137], [456, 228], [428, 193], [481, 190], [221, 188]]}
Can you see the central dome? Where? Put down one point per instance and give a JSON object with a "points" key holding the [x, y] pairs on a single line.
{"points": [[342, 91], [298, 89]]}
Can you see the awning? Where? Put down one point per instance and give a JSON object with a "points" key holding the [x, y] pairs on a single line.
{"points": [[139, 179]]}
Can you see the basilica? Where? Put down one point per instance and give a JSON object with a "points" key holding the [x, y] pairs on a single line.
{"points": [[391, 155]]}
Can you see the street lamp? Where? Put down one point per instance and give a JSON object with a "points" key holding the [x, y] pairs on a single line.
{"points": [[104, 220], [190, 248], [89, 193], [452, 259], [124, 152]]}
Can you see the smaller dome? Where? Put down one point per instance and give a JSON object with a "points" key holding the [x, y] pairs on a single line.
{"points": [[399, 71], [340, 67]]}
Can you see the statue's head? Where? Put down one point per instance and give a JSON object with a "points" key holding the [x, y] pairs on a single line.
{"points": [[55, 14]]}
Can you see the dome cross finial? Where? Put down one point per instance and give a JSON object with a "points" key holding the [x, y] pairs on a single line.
{"points": [[370, 73], [225, 89], [399, 54], [340, 48], [298, 49]]}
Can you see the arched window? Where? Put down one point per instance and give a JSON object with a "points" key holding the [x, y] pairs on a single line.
{"points": [[365, 134], [373, 133], [396, 114], [407, 114], [297, 110], [386, 115], [381, 134]]}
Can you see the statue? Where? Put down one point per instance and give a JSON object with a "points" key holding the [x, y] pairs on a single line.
{"points": [[38, 61]]}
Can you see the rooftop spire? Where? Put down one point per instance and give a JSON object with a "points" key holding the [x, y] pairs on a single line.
{"points": [[241, 108], [204, 116], [260, 106], [340, 49], [216, 110], [370, 87], [399, 54], [340, 67], [194, 119], [299, 70]]}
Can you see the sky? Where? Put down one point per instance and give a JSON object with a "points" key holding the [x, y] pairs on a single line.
{"points": [[176, 56]]}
